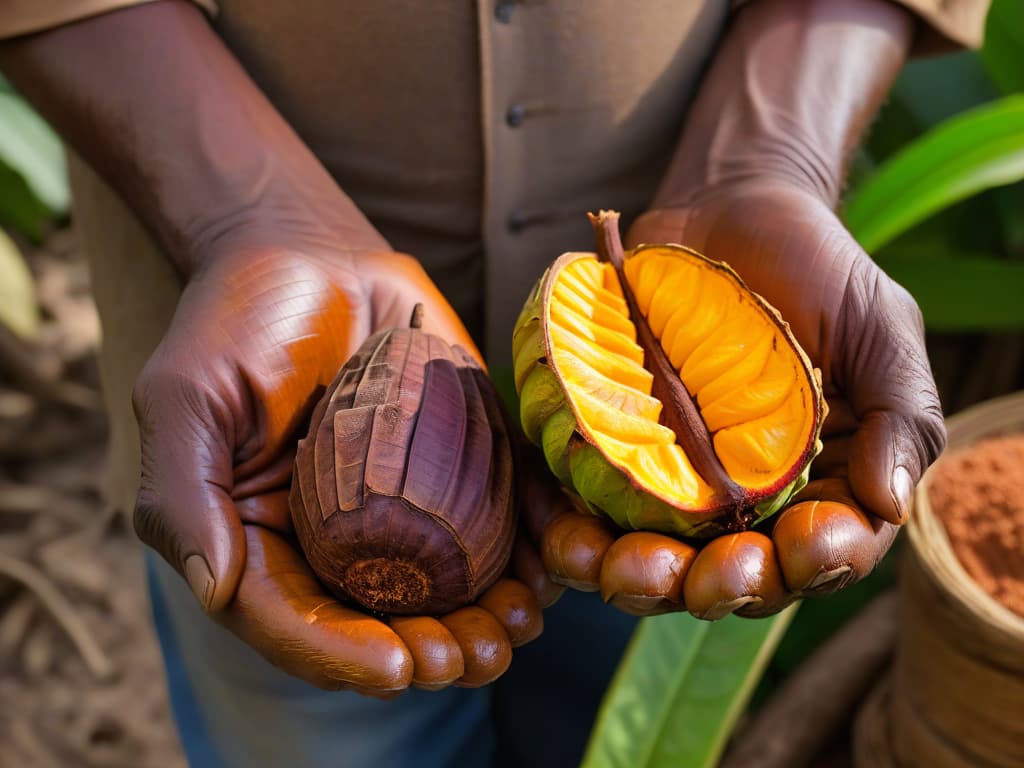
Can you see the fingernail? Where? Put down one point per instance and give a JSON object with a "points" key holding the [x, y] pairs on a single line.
{"points": [[199, 578], [902, 491], [723, 608], [822, 578], [638, 605]]}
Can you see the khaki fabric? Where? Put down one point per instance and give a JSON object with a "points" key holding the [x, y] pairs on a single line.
{"points": [[23, 17], [474, 136]]}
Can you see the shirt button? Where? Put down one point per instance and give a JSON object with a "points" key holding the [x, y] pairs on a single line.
{"points": [[503, 11], [516, 222], [515, 115]]}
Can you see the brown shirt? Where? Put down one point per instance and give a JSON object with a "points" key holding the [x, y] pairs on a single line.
{"points": [[473, 135]]}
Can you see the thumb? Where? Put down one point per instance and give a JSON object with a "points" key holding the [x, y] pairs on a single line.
{"points": [[888, 455], [184, 509], [890, 387]]}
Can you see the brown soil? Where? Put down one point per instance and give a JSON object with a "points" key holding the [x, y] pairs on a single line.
{"points": [[978, 493], [81, 681]]}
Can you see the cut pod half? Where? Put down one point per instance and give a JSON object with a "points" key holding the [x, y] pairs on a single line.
{"points": [[663, 391]]}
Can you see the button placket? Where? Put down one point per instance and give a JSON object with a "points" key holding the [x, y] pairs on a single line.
{"points": [[510, 99], [503, 10]]}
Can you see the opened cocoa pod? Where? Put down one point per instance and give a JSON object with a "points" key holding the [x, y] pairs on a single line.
{"points": [[663, 391], [402, 496]]}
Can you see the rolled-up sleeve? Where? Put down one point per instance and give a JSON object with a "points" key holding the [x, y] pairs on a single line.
{"points": [[23, 17], [947, 25], [944, 25]]}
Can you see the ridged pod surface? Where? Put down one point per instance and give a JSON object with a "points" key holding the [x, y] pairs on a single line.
{"points": [[663, 391], [402, 495]]}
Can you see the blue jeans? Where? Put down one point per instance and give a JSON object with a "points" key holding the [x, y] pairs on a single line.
{"points": [[235, 710]]}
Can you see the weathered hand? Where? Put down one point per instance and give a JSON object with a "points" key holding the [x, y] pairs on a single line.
{"points": [[883, 430], [257, 335]]}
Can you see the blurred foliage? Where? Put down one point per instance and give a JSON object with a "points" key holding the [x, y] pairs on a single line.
{"points": [[18, 309], [33, 178], [33, 195]]}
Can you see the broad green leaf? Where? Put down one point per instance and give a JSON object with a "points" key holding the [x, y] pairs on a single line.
{"points": [[1003, 52], [30, 147], [963, 293], [982, 148], [679, 690], [18, 310]]}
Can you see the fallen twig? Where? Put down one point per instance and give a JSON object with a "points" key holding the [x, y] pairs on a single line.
{"points": [[18, 361], [97, 661], [32, 749], [804, 714], [14, 623]]}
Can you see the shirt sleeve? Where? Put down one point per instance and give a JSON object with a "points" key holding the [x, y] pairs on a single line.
{"points": [[943, 25], [23, 17], [948, 25]]}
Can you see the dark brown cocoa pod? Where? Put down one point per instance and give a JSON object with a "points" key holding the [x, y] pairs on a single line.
{"points": [[402, 493]]}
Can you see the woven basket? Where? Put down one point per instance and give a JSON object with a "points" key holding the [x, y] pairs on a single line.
{"points": [[954, 697]]}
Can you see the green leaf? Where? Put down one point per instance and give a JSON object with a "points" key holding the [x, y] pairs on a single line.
{"points": [[679, 690], [30, 147], [18, 309], [20, 209], [1003, 52], [976, 150], [963, 293]]}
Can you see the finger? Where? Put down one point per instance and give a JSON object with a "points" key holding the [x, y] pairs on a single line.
{"points": [[889, 385], [392, 303], [736, 573], [516, 608], [436, 655], [642, 573], [840, 418], [528, 567], [269, 510], [826, 542], [183, 509], [540, 497], [283, 612], [573, 546], [486, 649], [277, 475]]}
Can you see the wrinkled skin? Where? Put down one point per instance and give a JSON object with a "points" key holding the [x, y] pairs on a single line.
{"points": [[255, 339], [883, 429]]}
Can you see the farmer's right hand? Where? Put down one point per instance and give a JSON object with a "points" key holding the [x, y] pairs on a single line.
{"points": [[258, 333]]}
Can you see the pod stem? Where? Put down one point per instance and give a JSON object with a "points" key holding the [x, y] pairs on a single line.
{"points": [[679, 412], [416, 321]]}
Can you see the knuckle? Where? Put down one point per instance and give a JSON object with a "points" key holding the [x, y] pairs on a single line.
{"points": [[153, 528], [156, 382], [931, 430]]}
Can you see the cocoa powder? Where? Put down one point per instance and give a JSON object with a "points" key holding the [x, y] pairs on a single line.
{"points": [[978, 493]]}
